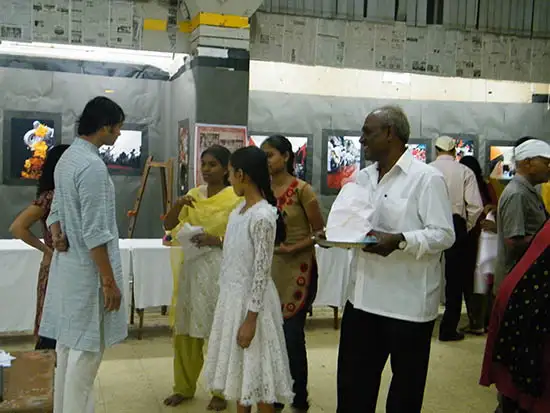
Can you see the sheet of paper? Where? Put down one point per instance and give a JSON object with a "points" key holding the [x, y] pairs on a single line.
{"points": [[496, 56], [15, 20], [330, 43], [416, 50], [468, 55], [51, 21], [441, 51], [90, 22], [266, 36], [389, 47], [519, 68], [298, 41], [5, 359], [122, 24], [359, 53]]}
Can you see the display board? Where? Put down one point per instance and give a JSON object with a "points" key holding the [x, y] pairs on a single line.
{"points": [[302, 146], [342, 159], [28, 136], [421, 149], [500, 160], [127, 156]]}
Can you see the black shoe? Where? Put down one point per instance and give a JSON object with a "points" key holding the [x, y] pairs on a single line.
{"points": [[452, 337]]}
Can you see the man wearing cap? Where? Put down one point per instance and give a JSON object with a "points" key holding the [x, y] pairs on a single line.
{"points": [[467, 207], [521, 210]]}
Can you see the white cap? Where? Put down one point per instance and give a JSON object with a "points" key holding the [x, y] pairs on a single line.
{"points": [[445, 143], [532, 148]]}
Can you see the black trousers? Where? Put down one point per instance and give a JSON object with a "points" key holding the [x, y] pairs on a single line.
{"points": [[295, 338], [455, 273], [45, 343], [366, 342]]}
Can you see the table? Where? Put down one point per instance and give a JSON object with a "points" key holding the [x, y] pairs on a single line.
{"points": [[145, 267], [29, 383]]}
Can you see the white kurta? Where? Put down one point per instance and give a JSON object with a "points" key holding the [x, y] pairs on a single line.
{"points": [[261, 372]]}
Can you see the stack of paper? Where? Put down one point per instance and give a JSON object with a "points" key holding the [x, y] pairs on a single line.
{"points": [[351, 215], [5, 359]]}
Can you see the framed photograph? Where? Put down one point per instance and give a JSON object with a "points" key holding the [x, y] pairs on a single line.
{"points": [[500, 160], [302, 146], [466, 144], [421, 149], [342, 159], [232, 137], [129, 153], [28, 136], [184, 148]]}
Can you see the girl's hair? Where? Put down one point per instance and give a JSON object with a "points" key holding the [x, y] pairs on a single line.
{"points": [[252, 161], [283, 145], [45, 182], [222, 155], [474, 165]]}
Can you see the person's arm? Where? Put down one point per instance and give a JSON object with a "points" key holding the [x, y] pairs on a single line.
{"points": [[314, 216], [512, 224], [472, 199], [435, 213], [171, 220], [93, 187], [262, 232], [21, 227]]}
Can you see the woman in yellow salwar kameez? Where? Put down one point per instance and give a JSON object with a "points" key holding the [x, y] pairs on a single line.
{"points": [[196, 279]]}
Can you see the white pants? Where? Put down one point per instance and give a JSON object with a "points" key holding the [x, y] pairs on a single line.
{"points": [[74, 380]]}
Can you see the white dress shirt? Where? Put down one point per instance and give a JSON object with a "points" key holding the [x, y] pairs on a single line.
{"points": [[463, 189], [411, 199]]}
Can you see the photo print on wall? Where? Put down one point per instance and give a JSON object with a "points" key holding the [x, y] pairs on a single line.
{"points": [[501, 160], [421, 149], [127, 155], [28, 136], [466, 144], [301, 146], [183, 156], [342, 159], [233, 137]]}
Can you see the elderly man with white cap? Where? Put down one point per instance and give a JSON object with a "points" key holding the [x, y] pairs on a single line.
{"points": [[521, 211], [467, 207]]}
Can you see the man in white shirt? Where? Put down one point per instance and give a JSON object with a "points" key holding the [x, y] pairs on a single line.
{"points": [[467, 207], [394, 285]]}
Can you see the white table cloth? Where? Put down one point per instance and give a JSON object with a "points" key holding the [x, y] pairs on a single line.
{"points": [[145, 261], [152, 273]]}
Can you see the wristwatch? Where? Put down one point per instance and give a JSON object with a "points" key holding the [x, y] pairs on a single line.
{"points": [[403, 243]]}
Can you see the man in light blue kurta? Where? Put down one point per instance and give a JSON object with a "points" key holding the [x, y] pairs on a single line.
{"points": [[79, 311]]}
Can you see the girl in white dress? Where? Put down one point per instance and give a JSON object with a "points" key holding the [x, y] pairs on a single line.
{"points": [[247, 359]]}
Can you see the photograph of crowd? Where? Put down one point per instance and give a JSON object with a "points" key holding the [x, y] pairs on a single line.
{"points": [[501, 162], [124, 157], [343, 160], [465, 147], [183, 157], [299, 147]]}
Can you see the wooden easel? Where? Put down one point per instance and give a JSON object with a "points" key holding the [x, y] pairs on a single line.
{"points": [[166, 180]]}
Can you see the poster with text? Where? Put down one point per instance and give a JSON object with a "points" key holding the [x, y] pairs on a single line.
{"points": [[299, 147], [343, 160], [233, 137], [501, 162]]}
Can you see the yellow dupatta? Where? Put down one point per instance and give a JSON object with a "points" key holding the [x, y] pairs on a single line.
{"points": [[545, 193], [212, 214]]}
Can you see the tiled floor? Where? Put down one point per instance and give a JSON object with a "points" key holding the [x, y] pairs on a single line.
{"points": [[136, 376]]}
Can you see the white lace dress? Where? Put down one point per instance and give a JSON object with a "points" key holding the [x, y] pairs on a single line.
{"points": [[260, 373]]}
